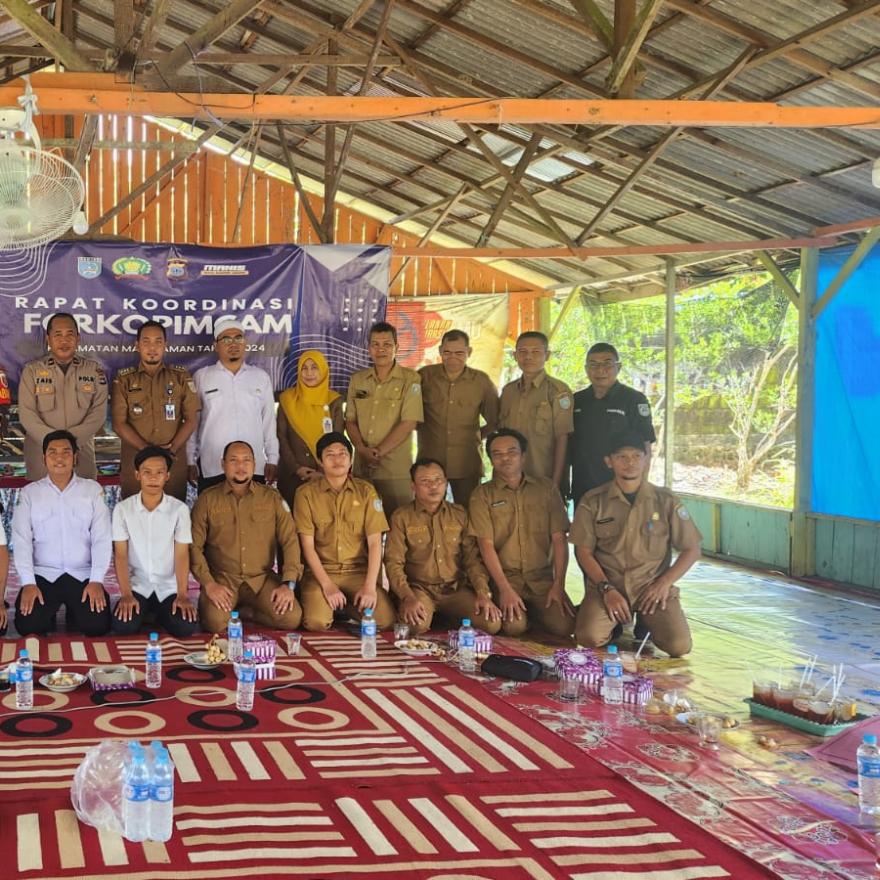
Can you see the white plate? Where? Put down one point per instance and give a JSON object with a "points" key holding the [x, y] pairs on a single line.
{"points": [[62, 688], [200, 661], [417, 652]]}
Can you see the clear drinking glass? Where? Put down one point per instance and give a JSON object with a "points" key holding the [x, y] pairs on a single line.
{"points": [[294, 640], [708, 727], [569, 688], [401, 632]]}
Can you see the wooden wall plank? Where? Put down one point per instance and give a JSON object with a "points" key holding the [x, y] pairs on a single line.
{"points": [[842, 551], [824, 546], [864, 551]]}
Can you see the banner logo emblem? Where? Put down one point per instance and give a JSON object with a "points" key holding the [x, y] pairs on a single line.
{"points": [[214, 269], [131, 267], [88, 267], [176, 268]]}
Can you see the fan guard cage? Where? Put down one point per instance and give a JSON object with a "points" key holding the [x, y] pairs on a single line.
{"points": [[40, 193]]}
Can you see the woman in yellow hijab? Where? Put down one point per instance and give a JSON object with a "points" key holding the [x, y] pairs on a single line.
{"points": [[306, 412]]}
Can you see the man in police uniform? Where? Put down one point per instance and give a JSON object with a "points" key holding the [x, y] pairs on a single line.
{"points": [[62, 391], [239, 528], [539, 407], [602, 410], [382, 409], [340, 522], [623, 534], [433, 564], [455, 396], [153, 404], [519, 522]]}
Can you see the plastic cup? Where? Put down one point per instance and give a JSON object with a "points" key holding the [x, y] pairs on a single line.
{"points": [[629, 662], [569, 688], [821, 711], [401, 632], [844, 710], [783, 697], [708, 727], [762, 692], [294, 640], [802, 706]]}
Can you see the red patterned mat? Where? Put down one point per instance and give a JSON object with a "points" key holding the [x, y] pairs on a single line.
{"points": [[422, 775]]}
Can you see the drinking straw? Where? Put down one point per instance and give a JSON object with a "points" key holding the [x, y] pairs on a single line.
{"points": [[644, 642], [818, 692]]}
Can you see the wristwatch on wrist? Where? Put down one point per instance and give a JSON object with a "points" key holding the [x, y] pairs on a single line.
{"points": [[604, 586]]}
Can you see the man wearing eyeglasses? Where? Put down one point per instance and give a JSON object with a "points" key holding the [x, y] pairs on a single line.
{"points": [[602, 410], [238, 403]]}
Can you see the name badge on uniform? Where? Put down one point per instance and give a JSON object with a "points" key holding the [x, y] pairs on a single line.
{"points": [[170, 412], [327, 425], [498, 503], [137, 410]]}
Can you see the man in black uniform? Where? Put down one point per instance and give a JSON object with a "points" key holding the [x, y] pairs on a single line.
{"points": [[603, 409]]}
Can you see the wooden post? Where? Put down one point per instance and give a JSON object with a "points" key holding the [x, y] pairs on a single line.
{"points": [[803, 555], [669, 404], [624, 17]]}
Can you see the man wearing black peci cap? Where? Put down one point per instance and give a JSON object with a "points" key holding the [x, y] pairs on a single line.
{"points": [[151, 539], [602, 410], [624, 533]]}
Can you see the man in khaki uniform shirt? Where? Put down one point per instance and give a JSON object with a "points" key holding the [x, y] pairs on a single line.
{"points": [[623, 535], [62, 391], [455, 396], [540, 408], [383, 407], [520, 524], [239, 529], [340, 522], [153, 404], [433, 564]]}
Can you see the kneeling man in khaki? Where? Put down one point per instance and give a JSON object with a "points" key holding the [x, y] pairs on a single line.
{"points": [[623, 535], [520, 524], [340, 522], [432, 562], [239, 528]]}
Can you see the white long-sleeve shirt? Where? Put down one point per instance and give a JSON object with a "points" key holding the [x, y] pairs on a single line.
{"points": [[235, 406], [57, 532]]}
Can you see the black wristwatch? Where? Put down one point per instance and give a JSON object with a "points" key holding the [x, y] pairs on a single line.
{"points": [[604, 586]]}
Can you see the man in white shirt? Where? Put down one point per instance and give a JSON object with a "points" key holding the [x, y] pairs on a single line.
{"points": [[238, 403], [61, 546], [151, 538]]}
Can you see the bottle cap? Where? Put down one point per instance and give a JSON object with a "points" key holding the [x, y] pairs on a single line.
{"points": [[248, 654], [234, 615], [466, 621], [154, 637], [612, 649], [870, 739], [368, 612], [23, 653]]}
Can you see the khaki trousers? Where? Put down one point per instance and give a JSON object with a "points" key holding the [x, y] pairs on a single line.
{"points": [[453, 605], [317, 613], [533, 590], [669, 629], [215, 620]]}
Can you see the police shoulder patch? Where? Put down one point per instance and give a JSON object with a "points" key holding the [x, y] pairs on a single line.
{"points": [[644, 409], [564, 401], [682, 513], [415, 388], [377, 504]]}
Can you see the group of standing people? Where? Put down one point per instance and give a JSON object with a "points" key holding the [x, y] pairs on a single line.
{"points": [[350, 497]]}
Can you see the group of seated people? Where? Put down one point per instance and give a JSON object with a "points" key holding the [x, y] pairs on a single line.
{"points": [[355, 513]]}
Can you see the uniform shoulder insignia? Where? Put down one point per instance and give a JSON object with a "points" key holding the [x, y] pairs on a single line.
{"points": [[681, 512], [415, 388], [377, 504], [565, 401], [645, 409], [179, 368], [125, 371]]}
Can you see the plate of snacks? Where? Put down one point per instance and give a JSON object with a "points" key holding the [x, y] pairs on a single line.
{"points": [[728, 722], [418, 647], [61, 682], [213, 655]]}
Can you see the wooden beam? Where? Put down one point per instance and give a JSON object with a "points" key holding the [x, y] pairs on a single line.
{"points": [[60, 47], [851, 226], [211, 31], [153, 25], [597, 22], [57, 97], [522, 165], [314, 222], [628, 52], [573, 296], [864, 247], [779, 276], [669, 378], [154, 178], [86, 142], [581, 253], [331, 169], [123, 36], [624, 16]]}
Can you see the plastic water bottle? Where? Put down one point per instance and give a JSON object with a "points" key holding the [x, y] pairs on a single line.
{"points": [[154, 662], [234, 638], [612, 677], [161, 794], [368, 635], [247, 677], [24, 681], [467, 647], [868, 759], [136, 795]]}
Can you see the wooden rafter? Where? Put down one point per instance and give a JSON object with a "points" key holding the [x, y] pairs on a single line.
{"points": [[153, 25], [211, 31], [60, 47], [626, 55], [314, 222], [767, 261], [331, 176], [596, 21]]}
